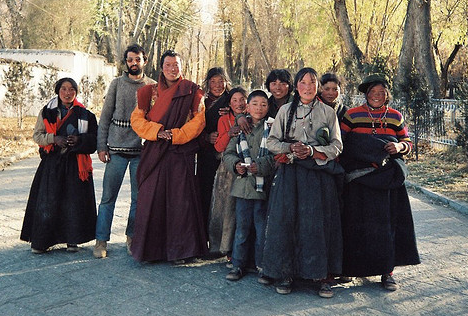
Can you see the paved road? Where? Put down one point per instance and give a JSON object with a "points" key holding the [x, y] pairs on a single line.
{"points": [[65, 284]]}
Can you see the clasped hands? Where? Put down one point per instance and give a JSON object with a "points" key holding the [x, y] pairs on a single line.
{"points": [[165, 135], [241, 168], [69, 141], [300, 150]]}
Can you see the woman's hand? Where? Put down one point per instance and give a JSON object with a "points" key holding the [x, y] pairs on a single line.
{"points": [[60, 141], [244, 124], [212, 137], [72, 140], [394, 148], [223, 111], [300, 150], [165, 135], [240, 169], [234, 131]]}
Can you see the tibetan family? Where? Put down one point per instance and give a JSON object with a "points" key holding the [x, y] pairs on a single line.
{"points": [[289, 185]]}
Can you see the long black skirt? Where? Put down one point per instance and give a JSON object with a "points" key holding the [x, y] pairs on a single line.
{"points": [[303, 232]]}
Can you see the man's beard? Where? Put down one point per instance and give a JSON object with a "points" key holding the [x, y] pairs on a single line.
{"points": [[134, 72]]}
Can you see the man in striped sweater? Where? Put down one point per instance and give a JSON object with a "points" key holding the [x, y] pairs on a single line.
{"points": [[119, 146]]}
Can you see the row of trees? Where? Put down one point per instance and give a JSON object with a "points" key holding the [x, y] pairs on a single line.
{"points": [[250, 37]]}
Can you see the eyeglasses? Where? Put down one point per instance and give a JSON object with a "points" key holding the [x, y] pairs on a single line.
{"points": [[136, 59]]}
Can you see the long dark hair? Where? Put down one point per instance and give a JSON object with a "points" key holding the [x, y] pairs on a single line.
{"points": [[216, 71], [292, 111]]}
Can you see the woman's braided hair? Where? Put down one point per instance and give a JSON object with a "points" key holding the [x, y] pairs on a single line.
{"points": [[292, 111]]}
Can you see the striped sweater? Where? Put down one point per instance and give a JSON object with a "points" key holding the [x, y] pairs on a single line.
{"points": [[379, 121]]}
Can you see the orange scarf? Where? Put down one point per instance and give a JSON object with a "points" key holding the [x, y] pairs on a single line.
{"points": [[163, 99], [85, 166]]}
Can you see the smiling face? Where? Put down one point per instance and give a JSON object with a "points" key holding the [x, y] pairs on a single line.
{"points": [[238, 103], [172, 69], [307, 88], [217, 85], [279, 89], [376, 96], [330, 92], [67, 93], [258, 108], [135, 63]]}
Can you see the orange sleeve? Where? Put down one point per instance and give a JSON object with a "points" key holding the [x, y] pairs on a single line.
{"points": [[144, 128], [194, 126]]}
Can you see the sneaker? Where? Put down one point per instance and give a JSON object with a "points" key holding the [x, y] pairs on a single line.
{"points": [[37, 251], [325, 290], [389, 282], [129, 244], [72, 248], [263, 279], [285, 286], [235, 274], [100, 249]]}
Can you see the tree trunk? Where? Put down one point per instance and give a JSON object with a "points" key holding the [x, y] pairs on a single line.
{"points": [[228, 64], [345, 31], [256, 34], [17, 37], [417, 48], [444, 68]]}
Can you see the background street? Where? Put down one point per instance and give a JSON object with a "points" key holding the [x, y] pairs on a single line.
{"points": [[65, 284]]}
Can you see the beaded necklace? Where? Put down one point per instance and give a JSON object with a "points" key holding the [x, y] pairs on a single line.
{"points": [[382, 117], [303, 118]]}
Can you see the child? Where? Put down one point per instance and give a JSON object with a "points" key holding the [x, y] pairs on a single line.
{"points": [[248, 158], [222, 219]]}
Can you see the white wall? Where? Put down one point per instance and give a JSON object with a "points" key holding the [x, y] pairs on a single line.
{"points": [[71, 64]]}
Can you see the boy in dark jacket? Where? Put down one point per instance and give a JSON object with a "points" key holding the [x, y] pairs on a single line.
{"points": [[249, 159]]}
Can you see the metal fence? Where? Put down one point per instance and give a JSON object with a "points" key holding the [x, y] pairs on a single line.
{"points": [[436, 126]]}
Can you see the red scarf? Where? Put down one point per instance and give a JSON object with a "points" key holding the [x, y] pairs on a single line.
{"points": [[85, 166]]}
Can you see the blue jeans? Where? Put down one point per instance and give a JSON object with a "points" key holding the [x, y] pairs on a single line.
{"points": [[113, 177], [249, 214]]}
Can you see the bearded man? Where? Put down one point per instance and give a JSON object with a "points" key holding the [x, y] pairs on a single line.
{"points": [[119, 146]]}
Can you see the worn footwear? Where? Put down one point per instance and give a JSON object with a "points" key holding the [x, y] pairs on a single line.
{"points": [[100, 249], [235, 274], [284, 286], [263, 279], [345, 279], [37, 251], [129, 244], [72, 248], [229, 264], [325, 290], [389, 282]]}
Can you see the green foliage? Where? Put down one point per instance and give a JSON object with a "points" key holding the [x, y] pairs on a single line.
{"points": [[416, 96], [18, 95], [461, 127]]}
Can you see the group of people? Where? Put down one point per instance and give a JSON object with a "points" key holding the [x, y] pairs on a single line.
{"points": [[294, 185]]}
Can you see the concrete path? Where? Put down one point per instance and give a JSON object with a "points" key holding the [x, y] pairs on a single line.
{"points": [[65, 284]]}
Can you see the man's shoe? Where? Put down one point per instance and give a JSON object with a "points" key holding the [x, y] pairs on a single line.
{"points": [[235, 274], [389, 282], [72, 248], [285, 286], [129, 245], [100, 249], [325, 290]]}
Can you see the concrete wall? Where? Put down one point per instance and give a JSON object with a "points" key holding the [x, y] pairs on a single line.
{"points": [[71, 64]]}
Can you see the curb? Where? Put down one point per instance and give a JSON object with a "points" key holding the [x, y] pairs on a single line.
{"points": [[461, 207]]}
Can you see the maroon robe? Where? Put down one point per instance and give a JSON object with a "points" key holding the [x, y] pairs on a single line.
{"points": [[169, 223]]}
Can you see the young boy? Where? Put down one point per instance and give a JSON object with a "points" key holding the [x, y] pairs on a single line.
{"points": [[249, 159]]}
